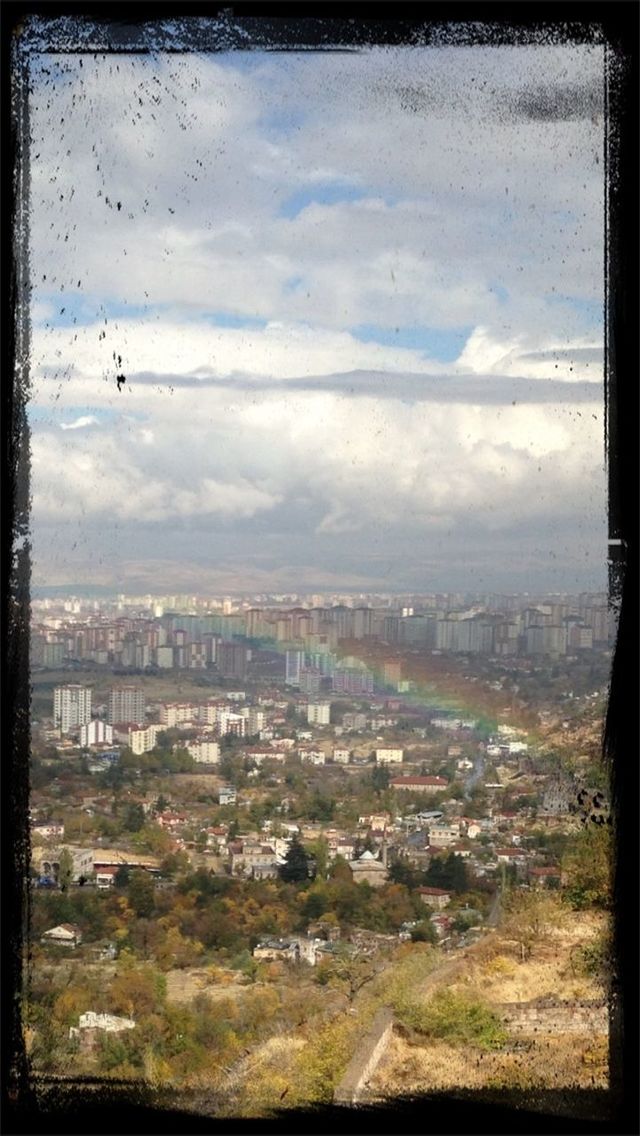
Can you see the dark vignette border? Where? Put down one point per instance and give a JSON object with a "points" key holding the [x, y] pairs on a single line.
{"points": [[82, 25]]}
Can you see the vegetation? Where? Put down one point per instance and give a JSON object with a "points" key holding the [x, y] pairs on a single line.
{"points": [[455, 1017]]}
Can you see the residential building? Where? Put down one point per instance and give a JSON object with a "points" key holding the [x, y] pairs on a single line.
{"points": [[204, 752], [143, 739], [389, 756], [419, 784], [294, 662], [437, 898], [318, 713], [64, 935], [71, 707], [126, 704], [96, 732]]}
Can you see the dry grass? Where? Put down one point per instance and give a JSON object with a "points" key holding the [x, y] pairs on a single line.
{"points": [[551, 1062]]}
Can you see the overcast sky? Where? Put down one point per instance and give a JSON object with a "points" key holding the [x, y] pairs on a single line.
{"points": [[357, 299]]}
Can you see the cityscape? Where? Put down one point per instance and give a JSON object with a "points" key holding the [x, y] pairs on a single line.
{"points": [[269, 817], [320, 641]]}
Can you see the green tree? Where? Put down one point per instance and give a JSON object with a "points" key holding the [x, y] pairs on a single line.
{"points": [[587, 865], [121, 878], [296, 867], [141, 893], [319, 851], [65, 870], [133, 818], [380, 778]]}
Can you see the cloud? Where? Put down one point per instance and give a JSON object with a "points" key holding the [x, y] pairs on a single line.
{"points": [[80, 423], [221, 229]]}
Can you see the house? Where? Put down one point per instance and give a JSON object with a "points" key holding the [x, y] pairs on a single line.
{"points": [[442, 924], [48, 862], [437, 898], [251, 858], [366, 868], [227, 795], [443, 835], [545, 877], [64, 935], [48, 829], [419, 784], [276, 950], [91, 1025]]}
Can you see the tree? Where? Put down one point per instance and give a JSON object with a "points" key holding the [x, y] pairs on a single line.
{"points": [[141, 893], [531, 917], [587, 864], [424, 932], [65, 869], [121, 878], [319, 851], [380, 778], [133, 818], [296, 867]]}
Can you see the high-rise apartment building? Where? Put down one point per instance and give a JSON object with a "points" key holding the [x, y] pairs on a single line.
{"points": [[71, 707], [126, 704]]}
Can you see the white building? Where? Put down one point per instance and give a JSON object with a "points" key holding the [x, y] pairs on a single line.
{"points": [[204, 752], [96, 732], [318, 713], [255, 719], [141, 740], [389, 756], [341, 756], [174, 714], [71, 707], [230, 723]]}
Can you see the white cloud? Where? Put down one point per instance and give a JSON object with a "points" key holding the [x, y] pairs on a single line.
{"points": [[80, 423], [427, 195]]}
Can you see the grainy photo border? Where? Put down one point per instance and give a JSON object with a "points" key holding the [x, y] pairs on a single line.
{"points": [[102, 28]]}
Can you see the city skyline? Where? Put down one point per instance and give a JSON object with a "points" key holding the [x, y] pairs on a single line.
{"points": [[357, 302]]}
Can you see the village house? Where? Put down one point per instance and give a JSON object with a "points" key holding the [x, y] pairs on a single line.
{"points": [[443, 835], [91, 1025], [416, 784], [251, 858], [258, 754], [48, 829], [227, 795], [436, 898], [171, 820], [442, 924], [545, 877], [64, 935]]}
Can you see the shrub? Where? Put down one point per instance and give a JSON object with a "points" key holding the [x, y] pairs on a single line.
{"points": [[454, 1017]]}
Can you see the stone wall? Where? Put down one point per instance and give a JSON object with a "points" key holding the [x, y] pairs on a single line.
{"points": [[365, 1060], [551, 1016]]}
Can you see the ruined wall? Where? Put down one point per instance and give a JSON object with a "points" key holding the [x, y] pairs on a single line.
{"points": [[550, 1016], [365, 1060]]}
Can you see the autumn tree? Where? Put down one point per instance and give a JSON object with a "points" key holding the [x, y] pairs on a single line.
{"points": [[530, 918]]}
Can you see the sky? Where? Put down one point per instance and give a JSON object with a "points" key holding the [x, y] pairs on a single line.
{"points": [[357, 301]]}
